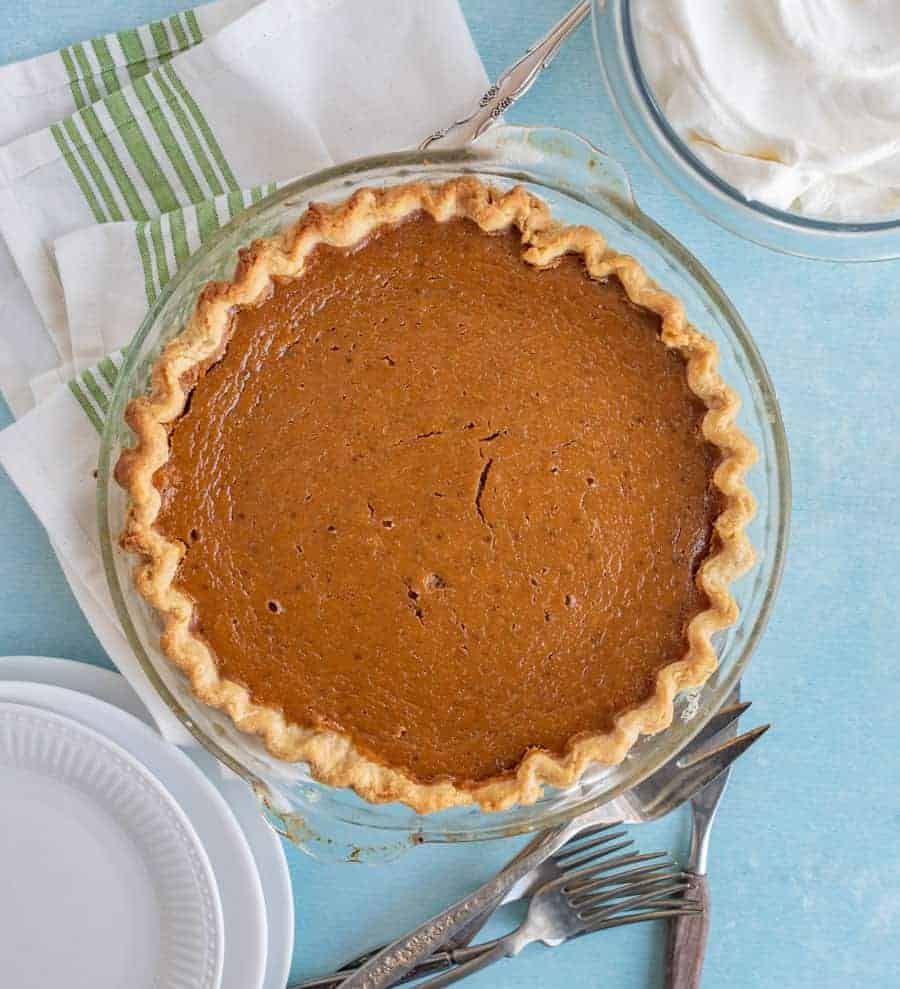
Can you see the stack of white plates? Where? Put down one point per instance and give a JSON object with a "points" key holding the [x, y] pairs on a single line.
{"points": [[123, 860]]}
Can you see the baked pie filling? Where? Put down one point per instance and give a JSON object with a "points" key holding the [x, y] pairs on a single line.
{"points": [[439, 508]]}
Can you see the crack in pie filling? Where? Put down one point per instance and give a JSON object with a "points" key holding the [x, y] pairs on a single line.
{"points": [[439, 496]]}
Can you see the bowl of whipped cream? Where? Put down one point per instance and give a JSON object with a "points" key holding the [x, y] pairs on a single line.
{"points": [[778, 119]]}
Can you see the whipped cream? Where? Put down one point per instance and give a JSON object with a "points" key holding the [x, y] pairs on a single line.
{"points": [[795, 103]]}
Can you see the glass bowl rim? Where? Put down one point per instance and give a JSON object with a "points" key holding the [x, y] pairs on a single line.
{"points": [[818, 232], [454, 160]]}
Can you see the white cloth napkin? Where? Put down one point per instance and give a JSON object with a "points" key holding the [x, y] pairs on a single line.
{"points": [[147, 141]]}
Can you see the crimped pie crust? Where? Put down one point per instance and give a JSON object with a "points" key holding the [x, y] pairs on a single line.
{"points": [[331, 755]]}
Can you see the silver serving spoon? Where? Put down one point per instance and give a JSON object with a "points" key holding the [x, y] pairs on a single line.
{"points": [[512, 84]]}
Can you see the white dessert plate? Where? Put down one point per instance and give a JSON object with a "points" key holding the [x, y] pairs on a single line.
{"points": [[246, 856], [107, 883]]}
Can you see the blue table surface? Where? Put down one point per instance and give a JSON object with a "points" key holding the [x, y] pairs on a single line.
{"points": [[805, 868]]}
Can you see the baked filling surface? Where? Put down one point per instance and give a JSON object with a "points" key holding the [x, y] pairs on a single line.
{"points": [[452, 505]]}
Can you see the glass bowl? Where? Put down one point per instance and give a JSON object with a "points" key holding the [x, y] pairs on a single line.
{"points": [[789, 233], [582, 185]]}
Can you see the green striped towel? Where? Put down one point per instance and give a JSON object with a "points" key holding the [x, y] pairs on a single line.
{"points": [[151, 140], [42, 91]]}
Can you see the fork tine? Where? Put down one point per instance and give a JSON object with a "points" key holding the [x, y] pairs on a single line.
{"points": [[576, 875], [593, 856], [699, 771], [718, 722], [619, 879], [587, 899], [727, 751], [578, 845], [638, 918], [591, 832], [626, 906], [620, 898], [676, 903]]}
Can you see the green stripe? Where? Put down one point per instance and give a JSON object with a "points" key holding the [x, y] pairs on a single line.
{"points": [[141, 153], [109, 371], [271, 188], [235, 203], [114, 164], [87, 73], [200, 155], [96, 391], [193, 26], [74, 82], [168, 140], [146, 264], [160, 38], [86, 406], [203, 126], [179, 236], [77, 172], [256, 193], [135, 56], [132, 46], [207, 219], [93, 169], [177, 29], [86, 153], [107, 65], [159, 251]]}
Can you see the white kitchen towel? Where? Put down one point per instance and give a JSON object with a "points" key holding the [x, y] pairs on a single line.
{"points": [[290, 86], [26, 349], [41, 91], [137, 259], [100, 208]]}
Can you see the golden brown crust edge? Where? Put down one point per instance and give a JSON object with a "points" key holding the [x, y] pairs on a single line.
{"points": [[331, 756]]}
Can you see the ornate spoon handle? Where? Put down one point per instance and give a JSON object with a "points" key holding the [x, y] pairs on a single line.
{"points": [[515, 81], [394, 961]]}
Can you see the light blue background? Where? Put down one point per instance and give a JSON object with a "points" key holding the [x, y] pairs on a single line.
{"points": [[805, 867]]}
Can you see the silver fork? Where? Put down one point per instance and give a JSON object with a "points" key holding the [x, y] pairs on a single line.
{"points": [[682, 778], [581, 901], [582, 853], [674, 783]]}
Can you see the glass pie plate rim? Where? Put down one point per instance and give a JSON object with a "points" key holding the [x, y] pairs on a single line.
{"points": [[583, 185], [652, 134]]}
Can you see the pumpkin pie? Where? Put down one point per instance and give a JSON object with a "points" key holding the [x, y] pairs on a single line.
{"points": [[439, 496]]}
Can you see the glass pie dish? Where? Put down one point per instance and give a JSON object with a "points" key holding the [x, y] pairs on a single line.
{"points": [[646, 124], [581, 185]]}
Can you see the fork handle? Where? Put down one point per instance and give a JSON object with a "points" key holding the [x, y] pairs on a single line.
{"points": [[438, 962], [686, 946], [475, 964]]}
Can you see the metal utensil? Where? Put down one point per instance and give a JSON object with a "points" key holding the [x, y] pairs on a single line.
{"points": [[510, 85], [679, 780], [580, 902], [598, 892], [686, 944], [585, 852]]}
